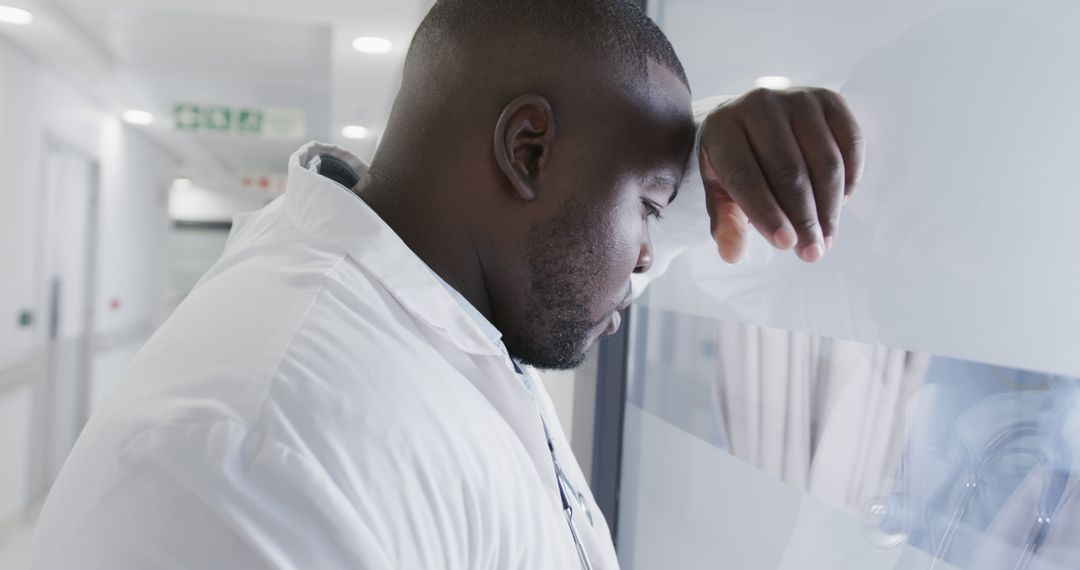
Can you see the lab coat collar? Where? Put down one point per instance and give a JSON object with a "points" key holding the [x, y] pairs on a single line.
{"points": [[481, 321], [332, 214], [329, 212]]}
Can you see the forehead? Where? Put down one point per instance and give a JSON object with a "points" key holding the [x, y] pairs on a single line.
{"points": [[665, 89], [652, 114], [656, 95]]}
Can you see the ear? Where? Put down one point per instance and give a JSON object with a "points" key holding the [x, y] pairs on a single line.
{"points": [[523, 138]]}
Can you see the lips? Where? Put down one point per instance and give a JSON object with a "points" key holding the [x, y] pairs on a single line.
{"points": [[613, 323], [616, 319]]}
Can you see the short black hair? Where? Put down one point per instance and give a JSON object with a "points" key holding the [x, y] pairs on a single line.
{"points": [[616, 30]]}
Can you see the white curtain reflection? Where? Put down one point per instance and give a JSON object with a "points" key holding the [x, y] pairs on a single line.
{"points": [[970, 463], [826, 416]]}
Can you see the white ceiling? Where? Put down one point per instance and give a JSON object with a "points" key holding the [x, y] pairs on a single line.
{"points": [[259, 53], [222, 60], [297, 54]]}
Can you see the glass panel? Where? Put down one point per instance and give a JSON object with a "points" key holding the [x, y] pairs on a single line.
{"points": [[960, 238], [751, 447], [910, 401]]}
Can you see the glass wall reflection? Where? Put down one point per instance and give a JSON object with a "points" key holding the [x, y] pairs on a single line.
{"points": [[752, 447]]}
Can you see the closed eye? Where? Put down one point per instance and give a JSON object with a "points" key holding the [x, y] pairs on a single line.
{"points": [[658, 184], [652, 208]]}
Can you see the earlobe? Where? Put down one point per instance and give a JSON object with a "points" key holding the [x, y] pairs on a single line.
{"points": [[523, 137]]}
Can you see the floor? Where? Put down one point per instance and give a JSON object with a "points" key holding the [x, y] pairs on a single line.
{"points": [[15, 541]]}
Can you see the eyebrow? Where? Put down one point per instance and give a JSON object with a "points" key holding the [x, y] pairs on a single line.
{"points": [[670, 181]]}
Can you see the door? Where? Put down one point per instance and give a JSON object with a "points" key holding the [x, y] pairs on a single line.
{"points": [[69, 222]]}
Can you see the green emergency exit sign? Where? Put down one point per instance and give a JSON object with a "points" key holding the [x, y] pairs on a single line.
{"points": [[186, 117], [270, 123], [209, 118], [249, 121]]}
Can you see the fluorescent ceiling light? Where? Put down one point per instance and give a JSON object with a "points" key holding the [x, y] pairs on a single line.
{"points": [[16, 16], [137, 117], [355, 132], [372, 45], [773, 82]]}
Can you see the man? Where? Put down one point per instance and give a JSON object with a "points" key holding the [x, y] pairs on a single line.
{"points": [[351, 385]]}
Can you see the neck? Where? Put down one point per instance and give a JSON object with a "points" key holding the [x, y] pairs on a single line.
{"points": [[428, 221]]}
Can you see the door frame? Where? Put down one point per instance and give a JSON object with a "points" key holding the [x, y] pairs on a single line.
{"points": [[44, 401]]}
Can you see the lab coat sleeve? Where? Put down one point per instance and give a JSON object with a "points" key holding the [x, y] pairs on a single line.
{"points": [[685, 223], [213, 495]]}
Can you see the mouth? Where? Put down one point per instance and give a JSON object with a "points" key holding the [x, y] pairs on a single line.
{"points": [[613, 323], [626, 300]]}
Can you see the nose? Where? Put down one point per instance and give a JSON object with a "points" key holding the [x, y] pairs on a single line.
{"points": [[645, 257]]}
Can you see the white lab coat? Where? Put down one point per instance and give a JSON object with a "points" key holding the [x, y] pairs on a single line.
{"points": [[320, 401]]}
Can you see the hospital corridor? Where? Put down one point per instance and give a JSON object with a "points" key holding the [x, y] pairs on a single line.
{"points": [[640, 284]]}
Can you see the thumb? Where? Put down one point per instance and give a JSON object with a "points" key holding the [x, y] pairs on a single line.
{"points": [[727, 221]]}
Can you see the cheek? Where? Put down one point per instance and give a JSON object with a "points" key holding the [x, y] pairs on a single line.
{"points": [[624, 228]]}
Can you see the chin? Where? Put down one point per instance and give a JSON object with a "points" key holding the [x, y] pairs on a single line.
{"points": [[566, 364], [555, 339], [553, 356]]}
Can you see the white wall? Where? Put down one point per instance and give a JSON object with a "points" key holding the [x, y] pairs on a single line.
{"points": [[132, 227], [37, 106]]}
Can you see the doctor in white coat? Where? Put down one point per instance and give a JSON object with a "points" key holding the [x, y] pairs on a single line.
{"points": [[352, 385]]}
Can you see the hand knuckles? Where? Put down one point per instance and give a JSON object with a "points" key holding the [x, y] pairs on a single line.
{"points": [[716, 121], [715, 116], [802, 101], [760, 98], [832, 231], [760, 93], [768, 221], [740, 178], [828, 96], [790, 178], [856, 142], [829, 223], [804, 225], [832, 169]]}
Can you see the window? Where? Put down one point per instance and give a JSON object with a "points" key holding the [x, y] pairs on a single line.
{"points": [[910, 401]]}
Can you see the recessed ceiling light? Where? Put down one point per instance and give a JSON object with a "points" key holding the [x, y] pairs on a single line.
{"points": [[355, 132], [181, 183], [17, 16], [137, 117], [372, 45], [773, 82]]}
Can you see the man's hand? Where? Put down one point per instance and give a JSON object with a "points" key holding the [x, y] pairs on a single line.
{"points": [[784, 161]]}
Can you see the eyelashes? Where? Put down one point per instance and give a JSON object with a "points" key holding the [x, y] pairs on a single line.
{"points": [[652, 209]]}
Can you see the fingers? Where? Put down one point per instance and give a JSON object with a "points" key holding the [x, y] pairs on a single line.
{"points": [[730, 229], [848, 136], [728, 223], [778, 152], [785, 161], [730, 171], [824, 162]]}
